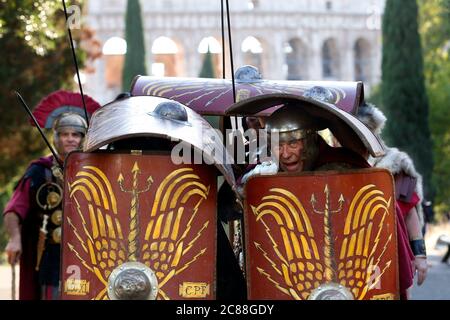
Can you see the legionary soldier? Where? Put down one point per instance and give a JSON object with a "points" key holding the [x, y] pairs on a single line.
{"points": [[319, 223], [33, 216], [409, 195]]}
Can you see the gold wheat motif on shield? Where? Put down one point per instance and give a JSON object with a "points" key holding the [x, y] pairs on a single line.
{"points": [[298, 261]]}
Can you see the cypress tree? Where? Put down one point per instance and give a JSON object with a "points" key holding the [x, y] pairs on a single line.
{"points": [[403, 90], [207, 70], [135, 56]]}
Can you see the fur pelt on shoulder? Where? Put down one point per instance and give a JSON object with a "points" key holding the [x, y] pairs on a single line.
{"points": [[372, 117], [397, 161]]}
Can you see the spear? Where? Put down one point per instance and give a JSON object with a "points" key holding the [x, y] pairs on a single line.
{"points": [[13, 281], [74, 56]]}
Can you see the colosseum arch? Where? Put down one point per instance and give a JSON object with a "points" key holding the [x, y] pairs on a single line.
{"points": [[168, 57], [215, 48], [114, 50], [330, 60], [295, 59], [362, 60], [252, 52]]}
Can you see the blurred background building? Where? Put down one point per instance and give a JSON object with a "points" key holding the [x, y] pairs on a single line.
{"points": [[295, 39]]}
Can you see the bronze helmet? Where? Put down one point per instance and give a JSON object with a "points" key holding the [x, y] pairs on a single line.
{"points": [[70, 120], [292, 122], [66, 121]]}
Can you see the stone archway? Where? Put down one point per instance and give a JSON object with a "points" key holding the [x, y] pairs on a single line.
{"points": [[252, 50], [362, 60], [296, 59], [168, 57], [114, 51], [330, 60], [215, 48]]}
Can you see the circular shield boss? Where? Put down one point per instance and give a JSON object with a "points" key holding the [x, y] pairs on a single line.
{"points": [[331, 291], [321, 94], [247, 74], [132, 281]]}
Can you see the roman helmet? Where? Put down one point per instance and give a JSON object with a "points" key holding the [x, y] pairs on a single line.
{"points": [[65, 121], [64, 109], [293, 123]]}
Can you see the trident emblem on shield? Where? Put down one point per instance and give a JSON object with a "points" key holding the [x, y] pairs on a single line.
{"points": [[133, 244], [328, 249]]}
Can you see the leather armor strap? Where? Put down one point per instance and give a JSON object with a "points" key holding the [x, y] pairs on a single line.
{"points": [[48, 175]]}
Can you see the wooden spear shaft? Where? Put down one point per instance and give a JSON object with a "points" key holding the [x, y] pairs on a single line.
{"points": [[13, 281]]}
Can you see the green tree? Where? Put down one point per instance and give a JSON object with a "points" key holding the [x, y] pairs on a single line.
{"points": [[35, 60], [207, 70], [403, 90], [135, 56], [435, 32]]}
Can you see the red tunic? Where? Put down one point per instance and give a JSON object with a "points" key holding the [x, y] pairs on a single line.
{"points": [[21, 203], [405, 254]]}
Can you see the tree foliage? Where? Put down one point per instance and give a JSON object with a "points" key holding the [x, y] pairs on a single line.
{"points": [[35, 60], [435, 32], [207, 70], [403, 90], [135, 56]]}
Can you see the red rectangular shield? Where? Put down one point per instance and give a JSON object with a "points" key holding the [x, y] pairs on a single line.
{"points": [[324, 235], [138, 227]]}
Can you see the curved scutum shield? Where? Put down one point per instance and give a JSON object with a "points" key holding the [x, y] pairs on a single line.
{"points": [[322, 236], [138, 226]]}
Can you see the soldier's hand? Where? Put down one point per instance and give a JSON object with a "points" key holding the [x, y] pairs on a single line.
{"points": [[14, 250], [421, 267], [265, 168]]}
